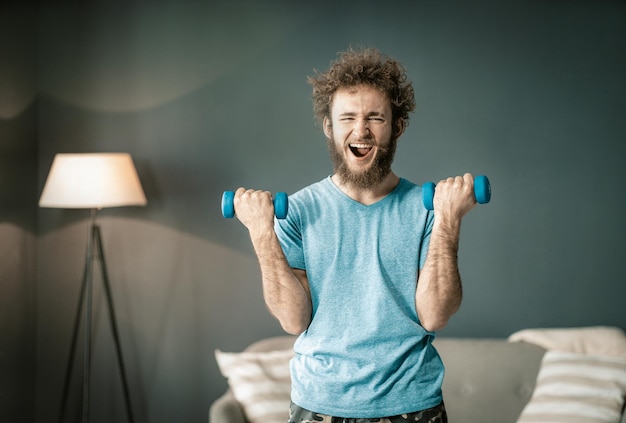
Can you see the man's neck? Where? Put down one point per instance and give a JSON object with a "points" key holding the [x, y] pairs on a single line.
{"points": [[371, 195]]}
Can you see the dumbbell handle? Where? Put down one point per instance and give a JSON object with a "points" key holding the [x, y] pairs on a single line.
{"points": [[482, 192], [281, 204]]}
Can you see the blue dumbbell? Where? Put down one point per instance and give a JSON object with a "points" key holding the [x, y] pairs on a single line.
{"points": [[281, 204], [482, 192]]}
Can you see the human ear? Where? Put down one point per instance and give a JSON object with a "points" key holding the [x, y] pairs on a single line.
{"points": [[399, 127], [328, 127]]}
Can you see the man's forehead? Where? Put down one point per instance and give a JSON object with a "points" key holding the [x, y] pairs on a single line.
{"points": [[359, 88], [361, 96]]}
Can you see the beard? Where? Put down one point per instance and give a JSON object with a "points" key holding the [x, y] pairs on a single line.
{"points": [[371, 177]]}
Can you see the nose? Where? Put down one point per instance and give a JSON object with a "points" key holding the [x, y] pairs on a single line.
{"points": [[361, 128]]}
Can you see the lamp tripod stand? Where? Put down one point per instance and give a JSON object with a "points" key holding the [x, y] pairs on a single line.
{"points": [[94, 252]]}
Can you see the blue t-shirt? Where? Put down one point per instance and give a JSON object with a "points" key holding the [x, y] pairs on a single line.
{"points": [[365, 353]]}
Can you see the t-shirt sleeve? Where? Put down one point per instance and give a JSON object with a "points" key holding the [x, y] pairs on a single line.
{"points": [[428, 227], [290, 236]]}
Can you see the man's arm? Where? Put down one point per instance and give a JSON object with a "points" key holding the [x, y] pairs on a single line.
{"points": [[439, 291], [285, 290]]}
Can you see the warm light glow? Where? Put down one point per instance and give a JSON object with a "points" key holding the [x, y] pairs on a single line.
{"points": [[92, 181]]}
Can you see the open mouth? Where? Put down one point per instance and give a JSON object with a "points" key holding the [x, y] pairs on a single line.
{"points": [[360, 150]]}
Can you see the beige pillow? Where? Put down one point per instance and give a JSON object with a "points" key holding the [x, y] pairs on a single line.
{"points": [[577, 388], [260, 381], [598, 340]]}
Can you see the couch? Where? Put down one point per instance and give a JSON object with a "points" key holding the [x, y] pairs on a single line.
{"points": [[486, 381]]}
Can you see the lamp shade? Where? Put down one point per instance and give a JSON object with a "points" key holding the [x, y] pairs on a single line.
{"points": [[92, 181]]}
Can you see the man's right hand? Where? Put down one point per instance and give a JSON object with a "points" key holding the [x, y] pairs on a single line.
{"points": [[255, 210]]}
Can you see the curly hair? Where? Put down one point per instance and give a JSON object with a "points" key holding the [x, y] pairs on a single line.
{"points": [[370, 67]]}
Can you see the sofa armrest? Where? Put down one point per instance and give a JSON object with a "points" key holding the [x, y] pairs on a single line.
{"points": [[226, 409]]}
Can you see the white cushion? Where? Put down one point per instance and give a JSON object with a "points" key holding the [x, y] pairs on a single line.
{"points": [[260, 381], [577, 388], [598, 340]]}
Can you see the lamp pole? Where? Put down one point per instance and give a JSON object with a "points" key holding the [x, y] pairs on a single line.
{"points": [[95, 251]]}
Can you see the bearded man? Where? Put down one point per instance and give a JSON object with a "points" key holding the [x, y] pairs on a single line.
{"points": [[359, 269]]}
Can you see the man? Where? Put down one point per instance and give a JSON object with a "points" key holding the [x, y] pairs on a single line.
{"points": [[359, 269]]}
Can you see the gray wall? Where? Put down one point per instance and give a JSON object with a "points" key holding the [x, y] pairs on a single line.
{"points": [[210, 96], [18, 209]]}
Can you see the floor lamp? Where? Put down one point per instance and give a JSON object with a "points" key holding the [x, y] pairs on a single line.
{"points": [[92, 181]]}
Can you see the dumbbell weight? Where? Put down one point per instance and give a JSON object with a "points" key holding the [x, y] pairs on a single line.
{"points": [[281, 204], [482, 192]]}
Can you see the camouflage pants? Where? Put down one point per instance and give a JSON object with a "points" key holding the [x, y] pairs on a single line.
{"points": [[432, 415]]}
